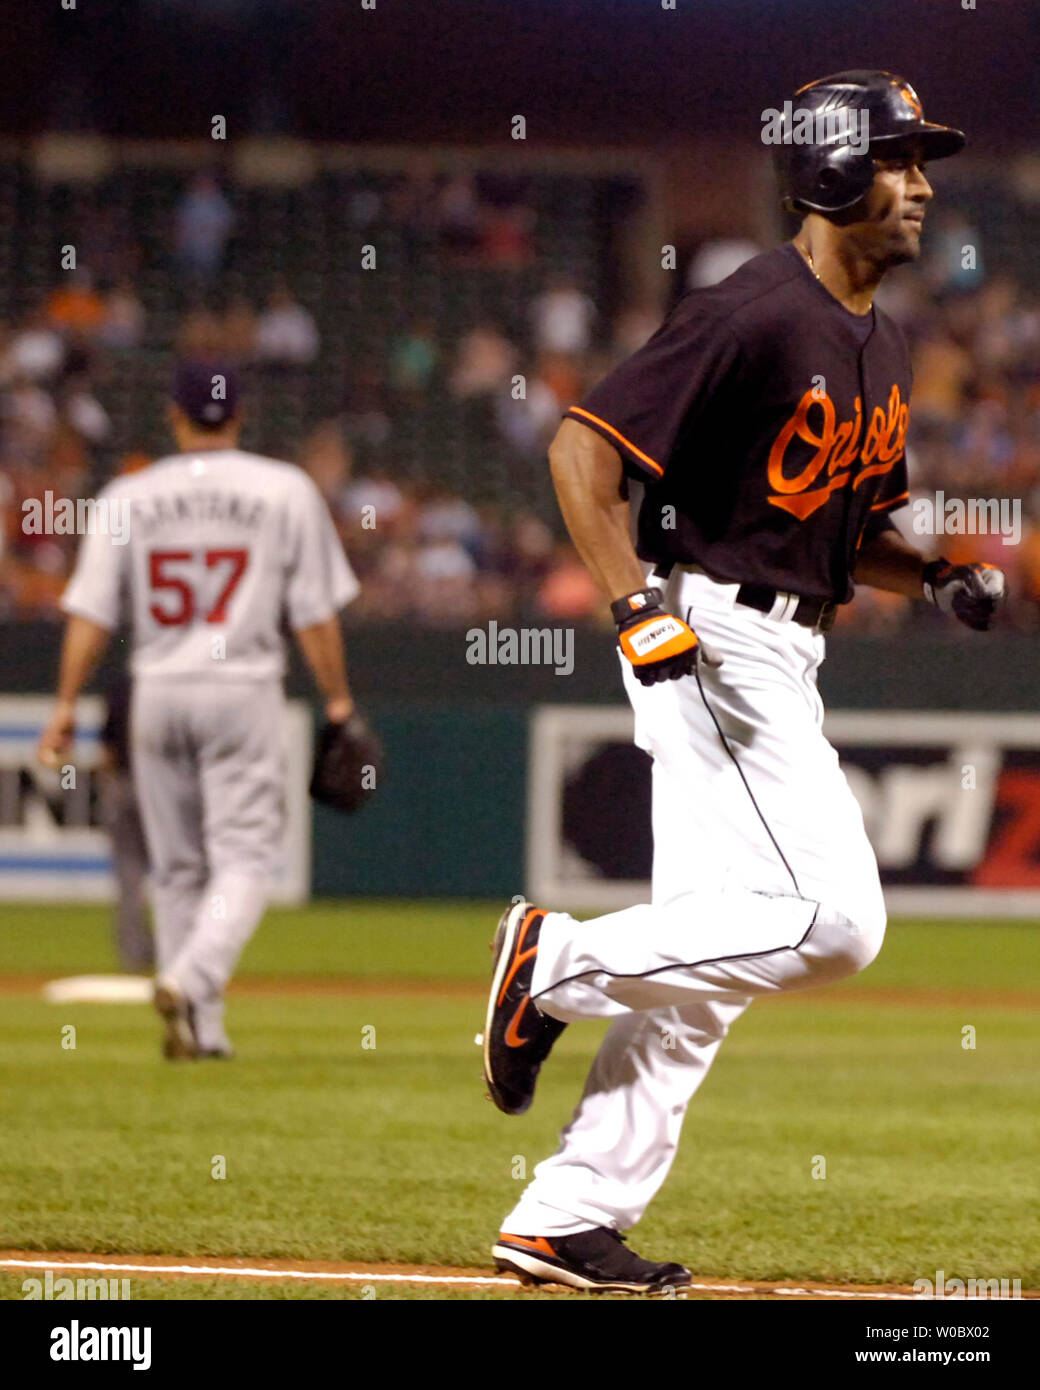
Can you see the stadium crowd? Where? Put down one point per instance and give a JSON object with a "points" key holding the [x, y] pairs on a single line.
{"points": [[425, 545]]}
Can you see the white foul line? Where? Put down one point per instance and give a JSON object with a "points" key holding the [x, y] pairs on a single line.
{"points": [[319, 1276], [261, 1273]]}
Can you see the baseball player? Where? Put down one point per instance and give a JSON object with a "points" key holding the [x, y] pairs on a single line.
{"points": [[764, 426], [224, 549]]}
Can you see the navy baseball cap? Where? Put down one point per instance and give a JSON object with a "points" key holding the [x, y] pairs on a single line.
{"points": [[207, 392]]}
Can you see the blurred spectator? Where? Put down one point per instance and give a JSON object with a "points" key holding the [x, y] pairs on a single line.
{"points": [[942, 371], [201, 334], [985, 436], [415, 205], [105, 239], [239, 331], [459, 216], [69, 466], [81, 358], [286, 333], [997, 338], [561, 374], [32, 588], [376, 499], [528, 553], [568, 591], [28, 418], [952, 256], [203, 222], [507, 237], [447, 518], [529, 423], [122, 326], [562, 317], [483, 364], [904, 296], [386, 589], [633, 327], [327, 458], [365, 421], [444, 591], [81, 409], [364, 206], [716, 260], [36, 350], [76, 306], [414, 357]]}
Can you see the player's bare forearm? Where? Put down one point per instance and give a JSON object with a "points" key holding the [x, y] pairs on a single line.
{"points": [[589, 479], [83, 643], [887, 561], [322, 648]]}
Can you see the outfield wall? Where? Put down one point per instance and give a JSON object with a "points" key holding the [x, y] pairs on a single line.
{"points": [[451, 818]]}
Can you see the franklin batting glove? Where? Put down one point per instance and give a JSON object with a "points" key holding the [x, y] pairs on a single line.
{"points": [[972, 593], [659, 646]]}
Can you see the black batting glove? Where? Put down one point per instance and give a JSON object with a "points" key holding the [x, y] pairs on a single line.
{"points": [[659, 646], [971, 593]]}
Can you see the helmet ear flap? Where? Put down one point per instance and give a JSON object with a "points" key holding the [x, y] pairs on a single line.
{"points": [[829, 182]]}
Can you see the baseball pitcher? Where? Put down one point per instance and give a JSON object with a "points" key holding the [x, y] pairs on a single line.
{"points": [[224, 550], [764, 425]]}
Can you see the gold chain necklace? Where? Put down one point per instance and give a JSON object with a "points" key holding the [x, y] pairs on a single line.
{"points": [[808, 256], [812, 266]]}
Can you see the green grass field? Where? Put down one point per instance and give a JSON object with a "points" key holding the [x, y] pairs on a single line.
{"points": [[338, 1151]]}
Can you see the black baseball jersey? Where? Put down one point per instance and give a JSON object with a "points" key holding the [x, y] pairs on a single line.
{"points": [[769, 423]]}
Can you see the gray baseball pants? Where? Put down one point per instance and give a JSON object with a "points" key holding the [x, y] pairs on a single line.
{"points": [[209, 770]]}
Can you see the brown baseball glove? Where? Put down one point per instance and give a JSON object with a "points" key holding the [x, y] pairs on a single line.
{"points": [[348, 764]]}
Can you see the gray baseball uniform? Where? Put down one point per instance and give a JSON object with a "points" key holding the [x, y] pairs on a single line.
{"points": [[223, 551]]}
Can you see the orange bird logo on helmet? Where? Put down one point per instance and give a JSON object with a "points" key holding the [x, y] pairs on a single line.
{"points": [[912, 100]]}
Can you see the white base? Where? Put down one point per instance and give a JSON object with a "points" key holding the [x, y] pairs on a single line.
{"points": [[100, 989]]}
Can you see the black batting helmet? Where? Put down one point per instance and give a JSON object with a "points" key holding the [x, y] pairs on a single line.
{"points": [[835, 128]]}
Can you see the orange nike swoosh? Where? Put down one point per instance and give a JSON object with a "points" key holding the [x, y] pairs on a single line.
{"points": [[539, 1243], [513, 1038], [521, 955]]}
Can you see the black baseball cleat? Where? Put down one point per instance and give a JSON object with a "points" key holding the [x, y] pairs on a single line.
{"points": [[596, 1259], [517, 1036], [179, 1041]]}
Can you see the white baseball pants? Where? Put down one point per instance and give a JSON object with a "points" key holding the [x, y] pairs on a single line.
{"points": [[763, 880]]}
